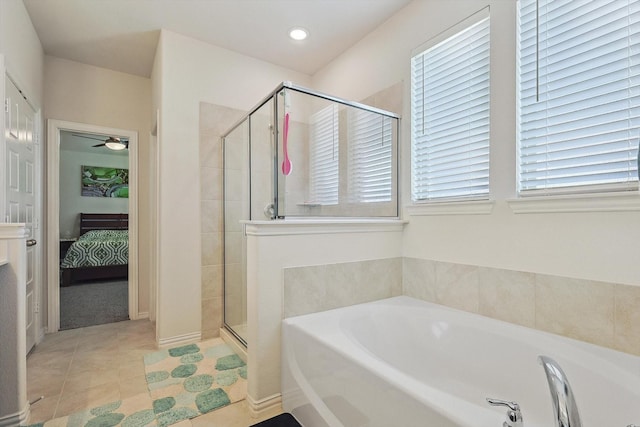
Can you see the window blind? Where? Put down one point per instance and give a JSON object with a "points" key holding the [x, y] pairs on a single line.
{"points": [[579, 94], [324, 156], [370, 162], [450, 116]]}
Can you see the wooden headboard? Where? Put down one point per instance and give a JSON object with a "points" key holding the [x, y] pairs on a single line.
{"points": [[103, 221]]}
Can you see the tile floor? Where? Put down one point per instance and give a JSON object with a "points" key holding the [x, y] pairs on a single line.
{"points": [[87, 367]]}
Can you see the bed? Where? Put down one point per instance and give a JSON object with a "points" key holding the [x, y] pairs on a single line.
{"points": [[101, 252]]}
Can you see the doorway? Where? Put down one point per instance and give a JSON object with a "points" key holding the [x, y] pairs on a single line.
{"points": [[93, 212], [58, 236]]}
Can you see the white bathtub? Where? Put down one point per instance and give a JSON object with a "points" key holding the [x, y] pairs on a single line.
{"points": [[403, 362]]}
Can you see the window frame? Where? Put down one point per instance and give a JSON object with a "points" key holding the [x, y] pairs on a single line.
{"points": [[573, 191], [485, 193]]}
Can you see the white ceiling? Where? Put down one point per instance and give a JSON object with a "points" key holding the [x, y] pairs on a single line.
{"points": [[122, 34]]}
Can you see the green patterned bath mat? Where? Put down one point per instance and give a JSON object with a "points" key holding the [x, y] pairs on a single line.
{"points": [[183, 382], [194, 379], [136, 411]]}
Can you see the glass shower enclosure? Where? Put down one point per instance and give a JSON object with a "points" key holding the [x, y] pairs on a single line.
{"points": [[302, 154]]}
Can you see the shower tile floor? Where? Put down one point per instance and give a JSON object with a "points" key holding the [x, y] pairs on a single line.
{"points": [[83, 368]]}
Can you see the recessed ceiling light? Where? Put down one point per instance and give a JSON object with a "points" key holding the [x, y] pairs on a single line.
{"points": [[298, 33]]}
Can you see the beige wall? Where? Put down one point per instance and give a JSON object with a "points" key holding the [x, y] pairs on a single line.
{"points": [[186, 73], [22, 50], [600, 246], [593, 246], [86, 94]]}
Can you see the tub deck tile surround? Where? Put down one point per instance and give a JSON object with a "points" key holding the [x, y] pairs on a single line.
{"points": [[507, 295], [597, 312], [324, 287], [457, 286], [627, 318], [417, 275], [575, 308]]}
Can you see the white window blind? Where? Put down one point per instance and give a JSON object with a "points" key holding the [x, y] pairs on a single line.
{"points": [[450, 116], [579, 95], [370, 162], [324, 155]]}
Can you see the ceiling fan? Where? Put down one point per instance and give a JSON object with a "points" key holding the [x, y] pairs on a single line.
{"points": [[111, 142]]}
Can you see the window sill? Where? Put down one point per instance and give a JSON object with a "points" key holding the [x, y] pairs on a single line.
{"points": [[306, 226], [596, 202], [475, 207]]}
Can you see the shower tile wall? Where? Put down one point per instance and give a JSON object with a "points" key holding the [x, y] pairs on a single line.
{"points": [[601, 313], [214, 120]]}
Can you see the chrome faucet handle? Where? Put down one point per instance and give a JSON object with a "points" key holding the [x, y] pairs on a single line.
{"points": [[514, 416], [497, 402]]}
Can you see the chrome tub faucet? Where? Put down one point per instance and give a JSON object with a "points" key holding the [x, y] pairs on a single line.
{"points": [[564, 404]]}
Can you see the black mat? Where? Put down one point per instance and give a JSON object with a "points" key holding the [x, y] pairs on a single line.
{"points": [[282, 420], [95, 303]]}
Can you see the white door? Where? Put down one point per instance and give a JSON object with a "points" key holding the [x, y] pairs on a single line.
{"points": [[20, 180]]}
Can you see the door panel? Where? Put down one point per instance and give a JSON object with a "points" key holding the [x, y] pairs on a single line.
{"points": [[21, 187]]}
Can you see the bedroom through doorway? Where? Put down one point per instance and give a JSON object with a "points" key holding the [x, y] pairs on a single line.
{"points": [[94, 219], [92, 279]]}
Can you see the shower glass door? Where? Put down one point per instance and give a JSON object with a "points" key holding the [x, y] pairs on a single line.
{"points": [[249, 158], [236, 208], [302, 154]]}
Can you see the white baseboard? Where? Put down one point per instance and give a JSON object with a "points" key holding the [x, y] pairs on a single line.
{"points": [[180, 339], [143, 315], [41, 334], [17, 419], [259, 407]]}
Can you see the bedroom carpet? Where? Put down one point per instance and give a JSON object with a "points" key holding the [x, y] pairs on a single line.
{"points": [[93, 303]]}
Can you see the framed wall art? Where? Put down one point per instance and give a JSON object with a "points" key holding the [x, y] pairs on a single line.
{"points": [[100, 181]]}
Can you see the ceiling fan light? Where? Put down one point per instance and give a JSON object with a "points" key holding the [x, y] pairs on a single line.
{"points": [[115, 145]]}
